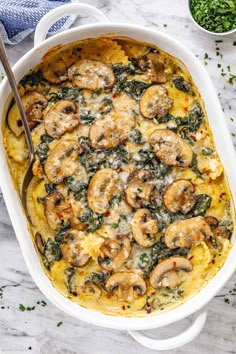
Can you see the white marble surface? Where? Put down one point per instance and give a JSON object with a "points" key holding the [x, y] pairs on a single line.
{"points": [[36, 331]]}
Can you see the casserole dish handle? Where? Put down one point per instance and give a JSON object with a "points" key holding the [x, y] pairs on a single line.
{"points": [[181, 339], [56, 14]]}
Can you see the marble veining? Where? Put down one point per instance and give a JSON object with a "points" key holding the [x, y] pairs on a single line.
{"points": [[38, 329]]}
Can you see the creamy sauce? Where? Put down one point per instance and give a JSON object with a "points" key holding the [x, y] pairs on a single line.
{"points": [[95, 187]]}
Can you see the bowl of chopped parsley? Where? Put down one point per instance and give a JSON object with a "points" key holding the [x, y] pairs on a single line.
{"points": [[214, 16]]}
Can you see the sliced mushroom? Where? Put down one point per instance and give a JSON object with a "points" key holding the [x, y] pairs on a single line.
{"points": [[150, 63], [61, 118], [91, 75], [101, 189], [179, 196], [170, 148], [57, 210], [55, 71], [62, 161], [34, 104], [221, 231], [212, 221], [110, 131], [114, 252], [126, 285], [217, 230], [72, 250], [144, 228], [39, 242], [165, 275], [186, 233], [139, 188], [155, 102]]}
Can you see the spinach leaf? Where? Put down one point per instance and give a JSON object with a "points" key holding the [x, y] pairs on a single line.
{"points": [[228, 221], [191, 123], [52, 251], [84, 143], [93, 160], [99, 278], [32, 79], [121, 71], [147, 159], [136, 136], [181, 84], [202, 204], [158, 252], [135, 88], [50, 188], [92, 219], [86, 117], [67, 93], [78, 188], [194, 166], [206, 151], [42, 151], [59, 238], [107, 105], [195, 118], [164, 218], [165, 119], [69, 275]]}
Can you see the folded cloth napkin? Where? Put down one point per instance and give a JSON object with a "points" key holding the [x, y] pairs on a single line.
{"points": [[18, 18]]}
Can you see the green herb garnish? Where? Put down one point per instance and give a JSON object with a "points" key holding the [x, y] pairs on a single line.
{"points": [[21, 307], [214, 15]]}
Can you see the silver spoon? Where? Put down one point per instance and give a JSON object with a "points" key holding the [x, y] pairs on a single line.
{"points": [[11, 79]]}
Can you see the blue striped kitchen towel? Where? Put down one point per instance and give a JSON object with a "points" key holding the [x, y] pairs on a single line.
{"points": [[18, 18]]}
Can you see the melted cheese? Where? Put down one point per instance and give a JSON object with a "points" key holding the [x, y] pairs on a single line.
{"points": [[122, 116]]}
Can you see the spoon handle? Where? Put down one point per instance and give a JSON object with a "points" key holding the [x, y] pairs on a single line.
{"points": [[12, 82]]}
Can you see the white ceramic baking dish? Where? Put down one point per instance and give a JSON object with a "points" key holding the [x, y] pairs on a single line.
{"points": [[196, 305]]}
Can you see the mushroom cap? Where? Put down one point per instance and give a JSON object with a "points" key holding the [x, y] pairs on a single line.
{"points": [[186, 233], [221, 231], [164, 267], [56, 210], [72, 250], [171, 148], [91, 75], [39, 242], [55, 71], [126, 284], [139, 188], [212, 221], [152, 64], [34, 104], [144, 228], [61, 118], [110, 131], [101, 189], [179, 196], [62, 160], [155, 102], [217, 230], [114, 252]]}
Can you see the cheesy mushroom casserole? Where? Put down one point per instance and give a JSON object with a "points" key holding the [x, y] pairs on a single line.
{"points": [[129, 205]]}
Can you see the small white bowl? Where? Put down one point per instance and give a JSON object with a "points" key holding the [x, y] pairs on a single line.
{"points": [[205, 30]]}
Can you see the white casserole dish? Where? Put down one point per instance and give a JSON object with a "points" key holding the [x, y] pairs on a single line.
{"points": [[197, 304]]}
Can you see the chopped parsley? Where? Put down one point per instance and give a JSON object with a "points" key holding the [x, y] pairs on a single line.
{"points": [[214, 15]]}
